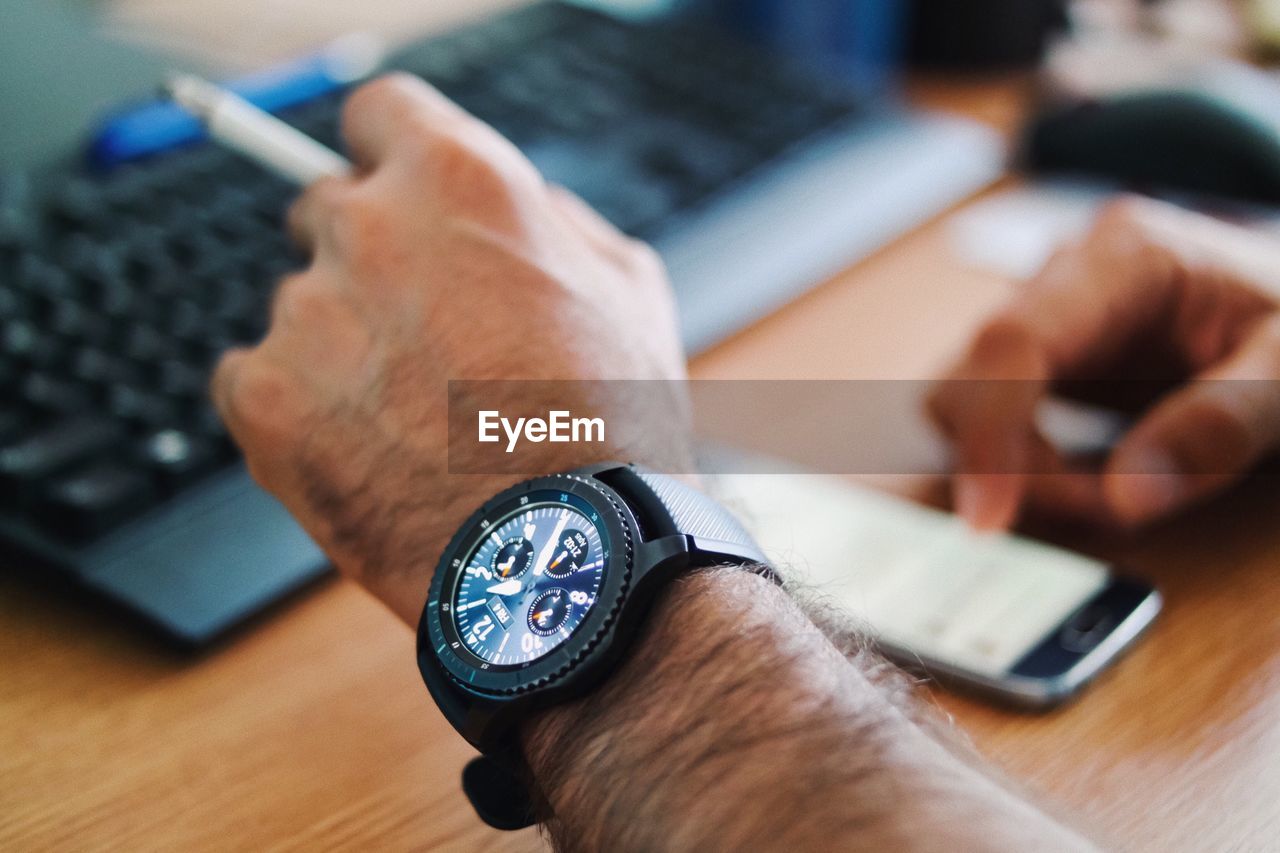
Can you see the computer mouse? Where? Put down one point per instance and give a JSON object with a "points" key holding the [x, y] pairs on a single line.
{"points": [[1182, 142]]}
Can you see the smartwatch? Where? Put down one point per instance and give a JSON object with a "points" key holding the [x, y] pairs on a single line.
{"points": [[538, 596]]}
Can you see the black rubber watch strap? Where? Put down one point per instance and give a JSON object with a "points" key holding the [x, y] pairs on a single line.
{"points": [[497, 794]]}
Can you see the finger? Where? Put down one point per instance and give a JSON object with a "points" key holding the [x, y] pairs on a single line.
{"points": [[384, 111], [987, 410], [1148, 280], [1080, 311], [266, 409], [309, 216], [989, 501], [316, 325], [1202, 437], [225, 375]]}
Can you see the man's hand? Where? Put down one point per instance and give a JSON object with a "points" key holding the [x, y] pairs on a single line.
{"points": [[1152, 293], [445, 257], [448, 257]]}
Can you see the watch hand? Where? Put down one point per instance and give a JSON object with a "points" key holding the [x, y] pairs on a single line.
{"points": [[506, 567], [539, 617], [557, 560], [550, 547], [510, 587]]}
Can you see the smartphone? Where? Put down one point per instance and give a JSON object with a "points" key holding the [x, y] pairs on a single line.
{"points": [[1016, 619]]}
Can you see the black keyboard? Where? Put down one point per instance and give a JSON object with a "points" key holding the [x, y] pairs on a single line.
{"points": [[118, 291]]}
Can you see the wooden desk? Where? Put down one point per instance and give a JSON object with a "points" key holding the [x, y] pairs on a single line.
{"points": [[312, 730]]}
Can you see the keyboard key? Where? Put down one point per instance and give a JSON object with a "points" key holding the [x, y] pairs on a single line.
{"points": [[54, 395], [11, 425], [14, 304], [232, 299], [94, 366], [39, 277], [90, 502], [176, 458], [10, 374], [22, 341], [83, 255], [185, 320], [141, 408], [179, 379], [75, 320], [142, 343], [39, 455], [113, 296], [76, 205]]}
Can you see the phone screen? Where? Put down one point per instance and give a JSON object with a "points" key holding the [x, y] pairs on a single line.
{"points": [[919, 578]]}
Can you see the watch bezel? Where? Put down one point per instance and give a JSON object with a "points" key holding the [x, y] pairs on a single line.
{"points": [[608, 512]]}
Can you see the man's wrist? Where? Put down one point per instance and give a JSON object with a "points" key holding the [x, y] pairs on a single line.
{"points": [[734, 724], [726, 671], [683, 630]]}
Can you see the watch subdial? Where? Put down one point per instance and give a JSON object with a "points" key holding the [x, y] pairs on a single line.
{"points": [[513, 559], [569, 555], [549, 611]]}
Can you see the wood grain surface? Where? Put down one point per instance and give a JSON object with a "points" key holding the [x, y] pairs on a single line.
{"points": [[311, 729]]}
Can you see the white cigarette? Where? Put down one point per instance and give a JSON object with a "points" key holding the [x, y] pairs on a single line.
{"points": [[256, 133]]}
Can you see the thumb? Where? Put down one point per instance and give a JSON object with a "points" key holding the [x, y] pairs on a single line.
{"points": [[1202, 437]]}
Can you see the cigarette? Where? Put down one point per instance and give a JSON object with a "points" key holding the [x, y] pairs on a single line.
{"points": [[255, 133]]}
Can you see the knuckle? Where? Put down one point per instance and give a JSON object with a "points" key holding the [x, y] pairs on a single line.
{"points": [[478, 164], [457, 155], [1210, 436], [293, 298], [387, 92], [325, 192], [355, 228], [1123, 213], [1124, 225], [316, 201], [401, 85], [646, 260], [260, 402], [225, 370]]}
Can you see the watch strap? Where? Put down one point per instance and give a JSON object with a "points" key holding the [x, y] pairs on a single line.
{"points": [[714, 530]]}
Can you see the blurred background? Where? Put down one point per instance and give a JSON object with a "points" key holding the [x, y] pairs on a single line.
{"points": [[762, 146], [841, 189]]}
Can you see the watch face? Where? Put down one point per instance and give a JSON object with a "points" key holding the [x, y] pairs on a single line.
{"points": [[526, 583]]}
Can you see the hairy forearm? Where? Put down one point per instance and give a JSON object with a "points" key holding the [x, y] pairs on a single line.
{"points": [[736, 724]]}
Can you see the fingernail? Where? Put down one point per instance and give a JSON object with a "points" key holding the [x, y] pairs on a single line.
{"points": [[1151, 484]]}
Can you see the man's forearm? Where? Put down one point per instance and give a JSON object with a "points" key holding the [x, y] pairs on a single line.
{"points": [[735, 723]]}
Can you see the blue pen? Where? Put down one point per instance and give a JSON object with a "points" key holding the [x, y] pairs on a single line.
{"points": [[161, 125]]}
